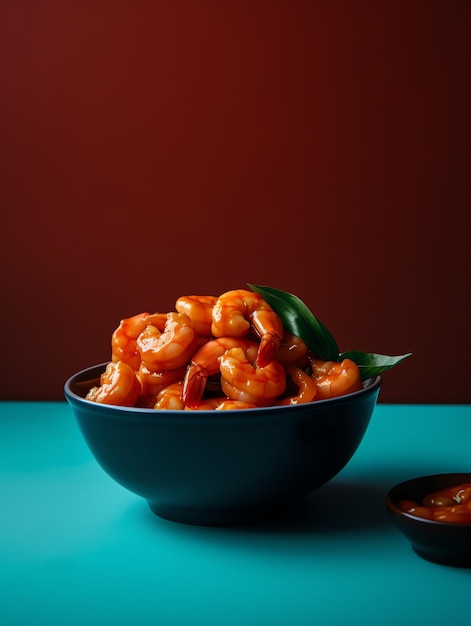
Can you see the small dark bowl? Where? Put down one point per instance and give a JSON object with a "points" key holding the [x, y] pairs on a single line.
{"points": [[441, 542], [222, 467]]}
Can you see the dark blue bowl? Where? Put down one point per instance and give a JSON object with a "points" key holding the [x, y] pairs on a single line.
{"points": [[222, 467]]}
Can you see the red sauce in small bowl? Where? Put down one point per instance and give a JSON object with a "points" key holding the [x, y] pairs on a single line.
{"points": [[452, 504]]}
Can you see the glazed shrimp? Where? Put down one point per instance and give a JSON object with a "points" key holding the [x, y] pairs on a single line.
{"points": [[199, 309], [236, 311], [307, 388], [293, 351], [241, 380], [210, 404], [123, 340], [230, 405], [334, 378], [167, 343], [220, 404], [170, 398], [205, 362], [153, 382], [119, 385]]}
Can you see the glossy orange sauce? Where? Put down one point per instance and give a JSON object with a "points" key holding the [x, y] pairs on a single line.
{"points": [[452, 504]]}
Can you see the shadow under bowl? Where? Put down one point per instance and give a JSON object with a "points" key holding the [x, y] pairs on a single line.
{"points": [[440, 542], [222, 467]]}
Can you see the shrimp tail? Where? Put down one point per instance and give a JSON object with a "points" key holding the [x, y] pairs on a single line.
{"points": [[194, 384], [269, 346]]}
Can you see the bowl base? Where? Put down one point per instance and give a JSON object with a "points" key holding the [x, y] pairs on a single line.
{"points": [[222, 517], [441, 559]]}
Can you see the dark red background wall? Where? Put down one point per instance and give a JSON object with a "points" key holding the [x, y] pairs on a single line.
{"points": [[154, 149]]}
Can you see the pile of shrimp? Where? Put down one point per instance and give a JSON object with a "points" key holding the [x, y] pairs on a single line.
{"points": [[216, 353]]}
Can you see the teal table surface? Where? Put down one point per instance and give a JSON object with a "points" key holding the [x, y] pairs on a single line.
{"points": [[77, 548]]}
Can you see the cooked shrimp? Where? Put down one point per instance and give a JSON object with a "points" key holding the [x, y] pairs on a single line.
{"points": [[230, 405], [170, 398], [168, 345], [153, 382], [242, 380], [210, 404], [205, 362], [199, 309], [293, 351], [307, 388], [220, 404], [334, 378], [123, 340], [236, 311], [119, 385]]}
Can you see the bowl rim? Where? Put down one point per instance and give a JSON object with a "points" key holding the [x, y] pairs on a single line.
{"points": [[391, 502], [370, 386]]}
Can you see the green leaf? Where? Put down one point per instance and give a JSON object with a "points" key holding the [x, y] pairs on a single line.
{"points": [[370, 364], [298, 319]]}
